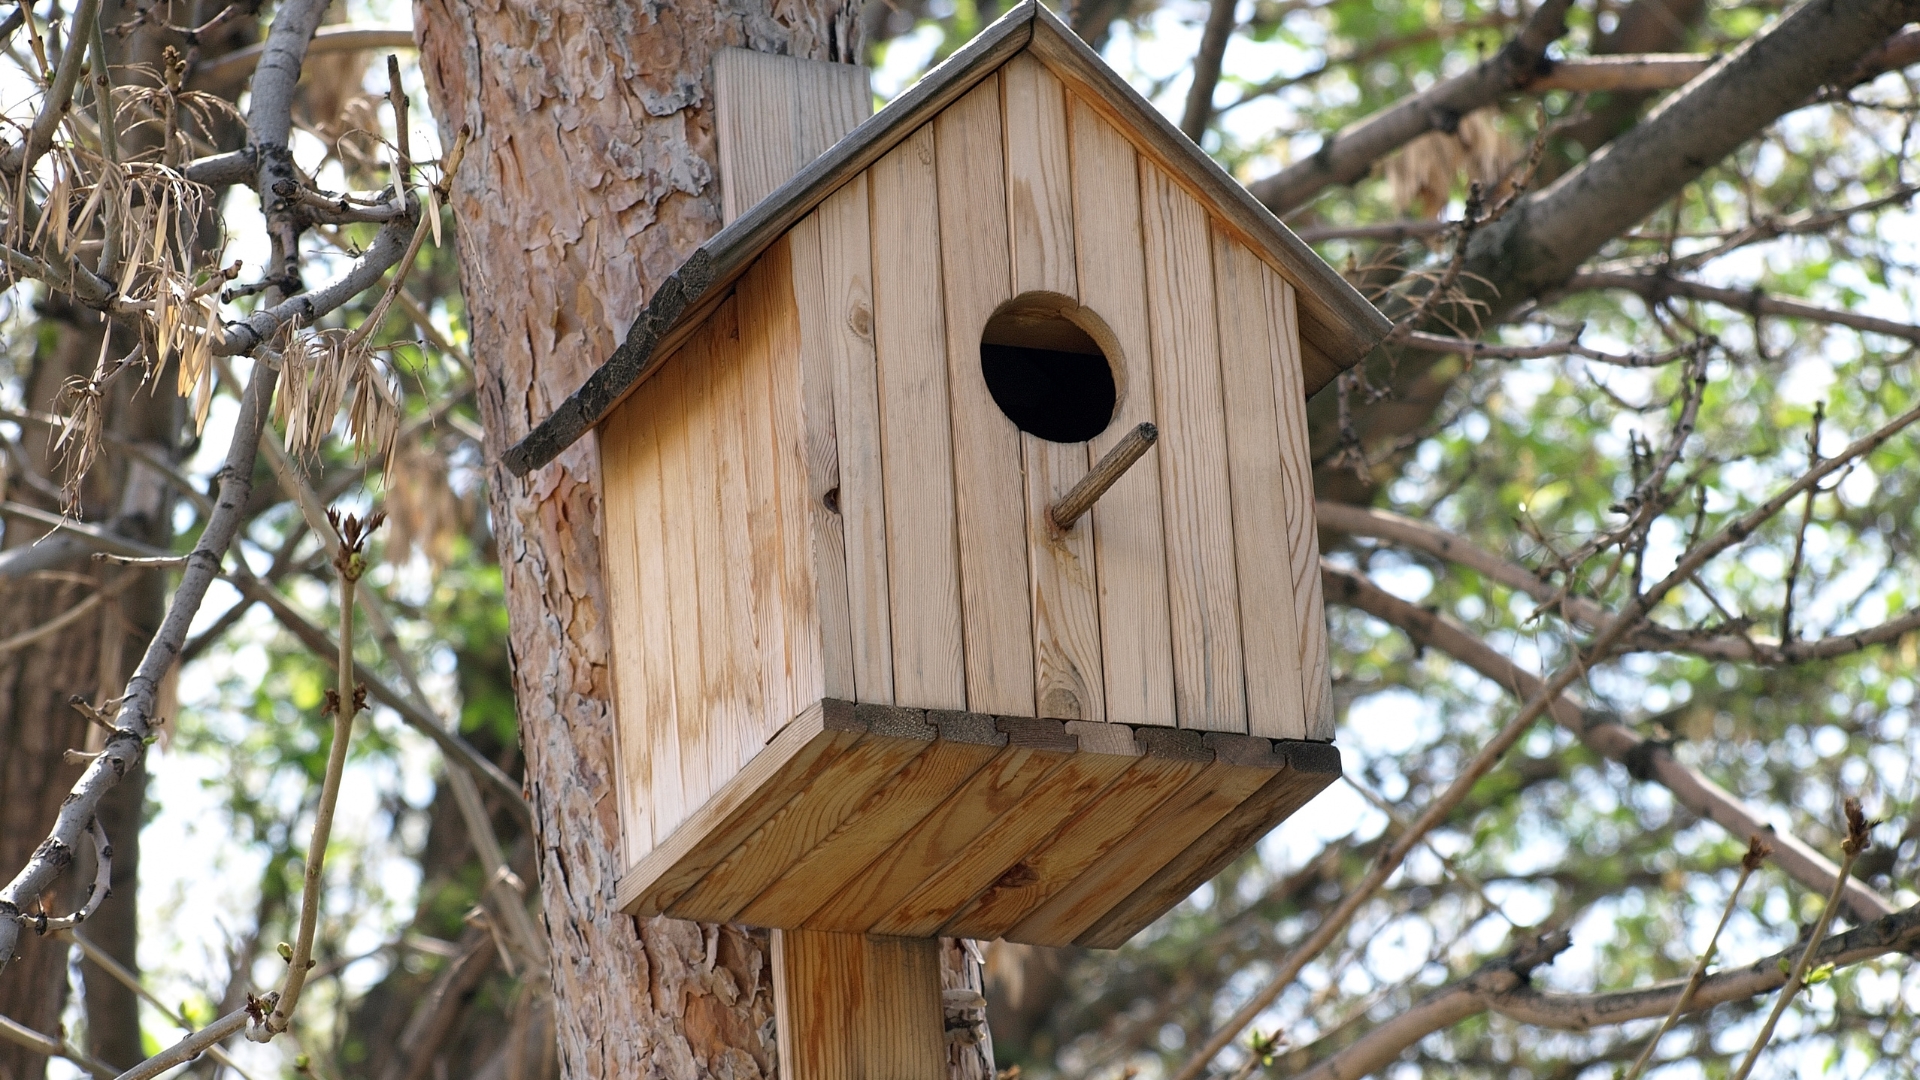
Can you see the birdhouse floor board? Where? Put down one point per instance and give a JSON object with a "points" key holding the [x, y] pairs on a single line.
{"points": [[884, 820]]}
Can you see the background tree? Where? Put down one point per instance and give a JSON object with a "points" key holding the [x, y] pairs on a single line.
{"points": [[1618, 528]]}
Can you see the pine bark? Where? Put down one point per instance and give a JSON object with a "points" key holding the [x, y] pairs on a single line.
{"points": [[590, 176]]}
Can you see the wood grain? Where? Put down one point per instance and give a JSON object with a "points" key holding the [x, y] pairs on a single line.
{"points": [[1175, 823], [1130, 552], [1209, 680], [819, 875], [970, 810], [815, 371], [1124, 807], [997, 850], [846, 269], [1303, 533], [988, 491], [916, 439], [814, 812], [1311, 767], [684, 753], [775, 114], [780, 402], [1069, 681], [630, 496], [1269, 631], [757, 650], [849, 1007], [799, 752]]}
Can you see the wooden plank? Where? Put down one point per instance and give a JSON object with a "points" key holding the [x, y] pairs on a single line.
{"points": [[1340, 325], [1049, 804], [629, 495], [988, 490], [1303, 533], [848, 1007], [846, 269], [1311, 767], [1124, 808], [923, 562], [779, 402], [775, 114], [968, 811], [716, 827], [867, 833], [1039, 179], [1068, 680], [1177, 821], [758, 581], [1209, 682], [810, 817], [679, 772], [1269, 634], [1130, 551], [728, 652], [814, 370]]}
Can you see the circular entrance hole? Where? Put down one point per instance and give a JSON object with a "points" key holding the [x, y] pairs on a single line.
{"points": [[1046, 371]]}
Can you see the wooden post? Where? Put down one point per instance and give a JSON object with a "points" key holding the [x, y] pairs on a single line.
{"points": [[852, 1007]]}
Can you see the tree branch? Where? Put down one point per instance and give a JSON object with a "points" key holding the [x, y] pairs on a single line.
{"points": [[1609, 738], [1206, 68], [1378, 1048], [133, 722], [1656, 287], [1347, 155]]}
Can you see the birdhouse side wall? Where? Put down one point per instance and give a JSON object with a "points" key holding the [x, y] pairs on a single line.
{"points": [[713, 590], [1190, 596]]}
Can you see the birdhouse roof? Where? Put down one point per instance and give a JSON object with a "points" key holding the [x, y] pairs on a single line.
{"points": [[1337, 325]]}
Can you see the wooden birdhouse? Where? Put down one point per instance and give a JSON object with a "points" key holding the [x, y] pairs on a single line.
{"points": [[875, 672]]}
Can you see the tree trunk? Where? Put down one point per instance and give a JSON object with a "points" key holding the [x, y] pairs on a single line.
{"points": [[590, 176]]}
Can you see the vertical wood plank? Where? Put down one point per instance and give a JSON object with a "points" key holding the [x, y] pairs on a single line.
{"points": [[814, 371], [774, 114], [916, 438], [1129, 544], [1068, 677], [739, 726], [848, 1007], [759, 325], [1269, 634], [988, 489], [846, 274], [622, 480], [779, 403], [1303, 533], [1209, 682], [678, 776]]}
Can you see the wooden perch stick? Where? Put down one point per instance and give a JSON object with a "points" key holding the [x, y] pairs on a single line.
{"points": [[1095, 484]]}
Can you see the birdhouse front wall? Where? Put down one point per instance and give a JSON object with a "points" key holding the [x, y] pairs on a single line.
{"points": [[816, 500]]}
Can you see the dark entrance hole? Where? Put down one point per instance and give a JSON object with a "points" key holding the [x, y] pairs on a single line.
{"points": [[1047, 373]]}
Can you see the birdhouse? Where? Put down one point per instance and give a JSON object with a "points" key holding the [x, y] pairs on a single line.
{"points": [[958, 515]]}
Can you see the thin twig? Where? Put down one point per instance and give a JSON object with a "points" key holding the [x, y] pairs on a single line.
{"points": [[1757, 850], [1857, 840]]}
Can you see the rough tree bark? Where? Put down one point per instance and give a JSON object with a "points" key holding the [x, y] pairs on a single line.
{"points": [[590, 176]]}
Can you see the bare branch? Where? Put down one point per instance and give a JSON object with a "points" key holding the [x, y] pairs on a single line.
{"points": [[1571, 347], [1645, 760], [1896, 933], [19, 1034], [1654, 287], [1206, 68], [1346, 155], [328, 39]]}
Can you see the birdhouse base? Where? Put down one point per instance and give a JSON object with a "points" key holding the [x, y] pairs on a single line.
{"points": [[874, 819]]}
